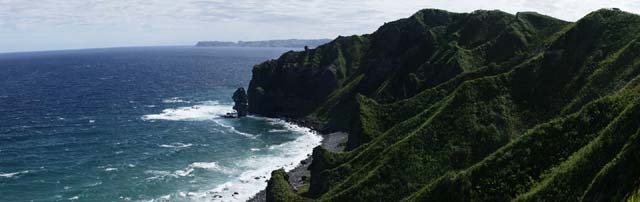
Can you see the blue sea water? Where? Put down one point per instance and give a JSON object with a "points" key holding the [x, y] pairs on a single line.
{"points": [[137, 124]]}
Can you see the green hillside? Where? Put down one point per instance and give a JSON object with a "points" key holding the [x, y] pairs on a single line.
{"points": [[482, 106]]}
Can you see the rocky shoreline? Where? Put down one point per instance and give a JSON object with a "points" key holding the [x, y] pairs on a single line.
{"points": [[334, 142]]}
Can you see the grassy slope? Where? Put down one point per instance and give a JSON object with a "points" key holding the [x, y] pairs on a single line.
{"points": [[527, 164], [449, 50], [556, 121]]}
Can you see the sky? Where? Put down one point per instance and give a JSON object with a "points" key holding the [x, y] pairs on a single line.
{"points": [[31, 25]]}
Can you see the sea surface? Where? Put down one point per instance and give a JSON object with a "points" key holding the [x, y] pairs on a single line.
{"points": [[137, 124]]}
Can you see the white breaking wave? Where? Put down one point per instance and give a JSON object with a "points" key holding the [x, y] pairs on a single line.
{"points": [[185, 172], [110, 169], [207, 111], [10, 175], [176, 145], [210, 166], [158, 174], [200, 112], [257, 168], [233, 129], [174, 100], [205, 165], [278, 131]]}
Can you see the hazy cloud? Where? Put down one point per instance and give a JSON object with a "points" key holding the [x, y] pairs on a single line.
{"points": [[60, 24]]}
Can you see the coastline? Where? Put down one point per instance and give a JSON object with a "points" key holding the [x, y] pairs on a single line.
{"points": [[334, 142], [300, 148]]}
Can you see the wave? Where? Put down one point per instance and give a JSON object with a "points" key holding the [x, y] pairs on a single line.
{"points": [[257, 169], [110, 169], [174, 100], [233, 129], [205, 165], [278, 131], [10, 175], [176, 145], [187, 171], [211, 166], [158, 174], [204, 111]]}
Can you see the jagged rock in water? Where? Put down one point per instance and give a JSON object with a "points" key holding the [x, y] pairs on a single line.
{"points": [[241, 102]]}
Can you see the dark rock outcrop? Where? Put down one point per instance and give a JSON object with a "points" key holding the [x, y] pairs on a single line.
{"points": [[241, 102], [284, 89]]}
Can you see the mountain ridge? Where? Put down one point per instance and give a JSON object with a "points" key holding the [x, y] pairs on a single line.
{"points": [[437, 105]]}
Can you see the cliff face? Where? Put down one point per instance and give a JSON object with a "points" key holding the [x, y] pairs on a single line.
{"points": [[296, 83], [399, 60], [482, 106]]}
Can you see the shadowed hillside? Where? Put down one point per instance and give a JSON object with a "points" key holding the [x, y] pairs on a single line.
{"points": [[482, 106]]}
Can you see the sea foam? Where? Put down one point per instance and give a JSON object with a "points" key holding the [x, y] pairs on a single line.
{"points": [[204, 111], [187, 171], [257, 169], [176, 145], [174, 100], [233, 129], [13, 174]]}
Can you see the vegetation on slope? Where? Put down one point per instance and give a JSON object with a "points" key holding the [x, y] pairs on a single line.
{"points": [[482, 106]]}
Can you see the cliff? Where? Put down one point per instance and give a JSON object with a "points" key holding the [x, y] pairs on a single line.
{"points": [[481, 106]]}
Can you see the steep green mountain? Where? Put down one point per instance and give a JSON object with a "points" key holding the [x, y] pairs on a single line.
{"points": [[482, 106]]}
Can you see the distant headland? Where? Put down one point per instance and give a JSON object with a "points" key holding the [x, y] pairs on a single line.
{"points": [[292, 43]]}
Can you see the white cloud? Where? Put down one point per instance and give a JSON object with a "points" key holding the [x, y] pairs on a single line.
{"points": [[58, 24]]}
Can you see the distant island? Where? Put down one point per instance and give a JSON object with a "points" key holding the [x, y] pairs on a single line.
{"points": [[292, 43]]}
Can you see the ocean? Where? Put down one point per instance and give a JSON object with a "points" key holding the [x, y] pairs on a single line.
{"points": [[137, 124]]}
